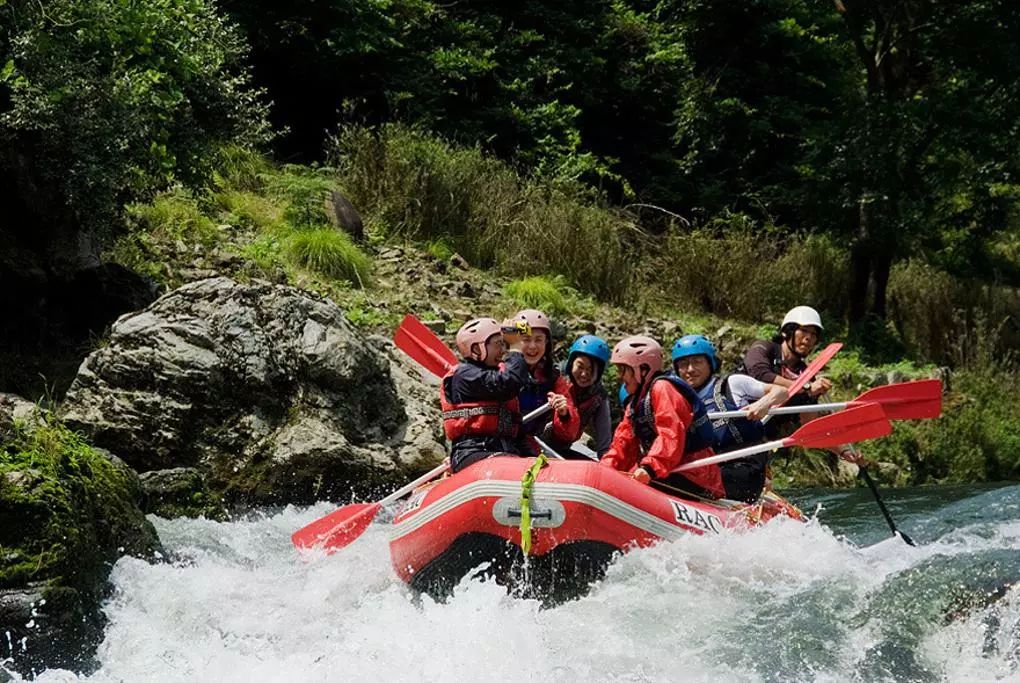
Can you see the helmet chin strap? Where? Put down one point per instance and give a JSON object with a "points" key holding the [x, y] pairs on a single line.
{"points": [[788, 341]]}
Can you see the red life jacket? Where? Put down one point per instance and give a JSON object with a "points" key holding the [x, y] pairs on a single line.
{"points": [[479, 418]]}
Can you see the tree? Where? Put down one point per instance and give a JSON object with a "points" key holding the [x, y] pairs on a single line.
{"points": [[105, 101], [925, 156]]}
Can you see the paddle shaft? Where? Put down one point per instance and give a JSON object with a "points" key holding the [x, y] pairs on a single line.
{"points": [[734, 455], [810, 371], [784, 410], [881, 506], [439, 469]]}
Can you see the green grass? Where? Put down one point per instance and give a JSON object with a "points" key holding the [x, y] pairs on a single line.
{"points": [[251, 210], [330, 253], [551, 295], [419, 187], [175, 215], [439, 249]]}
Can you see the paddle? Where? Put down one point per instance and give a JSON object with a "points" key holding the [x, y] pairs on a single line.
{"points": [[809, 372], [881, 506], [340, 527], [904, 401], [423, 346], [854, 424]]}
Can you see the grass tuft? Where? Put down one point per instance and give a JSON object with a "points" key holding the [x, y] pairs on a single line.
{"points": [[548, 294], [330, 253]]}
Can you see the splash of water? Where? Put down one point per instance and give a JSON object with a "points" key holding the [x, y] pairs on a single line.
{"points": [[787, 602]]}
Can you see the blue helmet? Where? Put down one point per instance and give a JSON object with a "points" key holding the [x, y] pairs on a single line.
{"points": [[623, 394], [695, 345], [592, 346]]}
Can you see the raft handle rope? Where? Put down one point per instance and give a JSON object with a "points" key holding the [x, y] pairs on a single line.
{"points": [[527, 484]]}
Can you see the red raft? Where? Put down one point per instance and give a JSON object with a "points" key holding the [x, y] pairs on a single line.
{"points": [[581, 515]]}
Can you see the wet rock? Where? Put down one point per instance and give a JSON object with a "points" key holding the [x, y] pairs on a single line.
{"points": [[265, 389], [68, 512], [342, 214], [180, 492]]}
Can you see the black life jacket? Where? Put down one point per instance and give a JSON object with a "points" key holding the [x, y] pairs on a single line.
{"points": [[642, 416], [588, 407], [729, 435]]}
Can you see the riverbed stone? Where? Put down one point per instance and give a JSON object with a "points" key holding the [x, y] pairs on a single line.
{"points": [[265, 389], [67, 513]]}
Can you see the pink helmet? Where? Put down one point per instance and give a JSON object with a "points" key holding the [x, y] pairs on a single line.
{"points": [[637, 351], [477, 331], [534, 319]]}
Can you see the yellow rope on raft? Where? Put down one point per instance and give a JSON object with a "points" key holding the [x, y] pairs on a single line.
{"points": [[527, 483]]}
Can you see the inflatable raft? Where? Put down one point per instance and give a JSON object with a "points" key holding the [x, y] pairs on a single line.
{"points": [[547, 530]]}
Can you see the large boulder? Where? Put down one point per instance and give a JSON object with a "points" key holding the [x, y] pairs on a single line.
{"points": [[67, 513], [265, 389]]}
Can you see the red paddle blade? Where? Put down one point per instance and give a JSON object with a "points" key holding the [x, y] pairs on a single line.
{"points": [[854, 424], [337, 529], [906, 401], [812, 369], [423, 346]]}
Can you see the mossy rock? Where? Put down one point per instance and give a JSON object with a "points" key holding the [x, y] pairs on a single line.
{"points": [[67, 513], [181, 492]]}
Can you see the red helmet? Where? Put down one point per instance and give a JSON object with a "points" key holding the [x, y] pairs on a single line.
{"points": [[477, 331], [534, 319], [637, 351]]}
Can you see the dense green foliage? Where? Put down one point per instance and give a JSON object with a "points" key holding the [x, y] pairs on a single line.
{"points": [[725, 158], [103, 101], [890, 125]]}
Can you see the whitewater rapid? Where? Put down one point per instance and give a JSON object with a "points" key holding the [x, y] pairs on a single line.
{"points": [[790, 601]]}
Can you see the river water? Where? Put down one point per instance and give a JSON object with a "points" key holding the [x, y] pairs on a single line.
{"points": [[833, 600]]}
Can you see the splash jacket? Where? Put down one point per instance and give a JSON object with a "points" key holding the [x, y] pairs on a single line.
{"points": [[481, 412], [665, 427]]}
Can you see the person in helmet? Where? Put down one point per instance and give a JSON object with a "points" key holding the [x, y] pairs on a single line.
{"points": [[781, 360], [695, 361], [586, 362], [664, 424], [478, 397], [545, 384]]}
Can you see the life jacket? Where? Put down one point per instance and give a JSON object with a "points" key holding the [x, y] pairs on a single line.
{"points": [[478, 418], [699, 434], [534, 394], [729, 435], [588, 407]]}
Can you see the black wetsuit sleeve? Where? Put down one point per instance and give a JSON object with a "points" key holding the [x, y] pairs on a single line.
{"points": [[475, 382], [758, 361]]}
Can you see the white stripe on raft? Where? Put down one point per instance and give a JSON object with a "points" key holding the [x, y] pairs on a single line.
{"points": [[574, 493]]}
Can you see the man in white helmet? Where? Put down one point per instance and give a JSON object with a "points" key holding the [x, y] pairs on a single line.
{"points": [[781, 360]]}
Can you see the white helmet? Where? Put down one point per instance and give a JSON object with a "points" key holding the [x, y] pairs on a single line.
{"points": [[802, 316]]}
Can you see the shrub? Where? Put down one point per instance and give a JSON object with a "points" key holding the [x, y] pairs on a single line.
{"points": [[733, 269], [421, 188], [545, 294], [174, 216], [304, 191], [111, 101], [329, 252], [935, 313]]}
